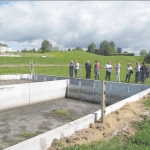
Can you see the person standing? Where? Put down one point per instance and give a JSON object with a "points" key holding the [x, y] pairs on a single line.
{"points": [[76, 68], [108, 68], [147, 73], [129, 71], [143, 72], [137, 72], [117, 67], [71, 67], [88, 67], [96, 69]]}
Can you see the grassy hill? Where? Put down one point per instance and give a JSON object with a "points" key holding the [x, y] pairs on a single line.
{"points": [[64, 58]]}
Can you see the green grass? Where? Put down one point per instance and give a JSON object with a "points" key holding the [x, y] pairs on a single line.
{"points": [[26, 134], [61, 112], [64, 58]]}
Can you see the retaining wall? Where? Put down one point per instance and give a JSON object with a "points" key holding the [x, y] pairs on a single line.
{"points": [[18, 95]]}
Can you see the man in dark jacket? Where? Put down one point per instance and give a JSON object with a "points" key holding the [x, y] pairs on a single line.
{"points": [[143, 72], [88, 67]]}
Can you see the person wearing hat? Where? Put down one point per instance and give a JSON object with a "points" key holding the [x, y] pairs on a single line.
{"points": [[96, 69], [71, 67], [129, 71]]}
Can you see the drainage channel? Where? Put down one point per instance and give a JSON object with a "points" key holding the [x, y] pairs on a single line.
{"points": [[20, 124]]}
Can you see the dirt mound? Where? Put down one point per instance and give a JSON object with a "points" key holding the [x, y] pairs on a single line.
{"points": [[116, 122]]}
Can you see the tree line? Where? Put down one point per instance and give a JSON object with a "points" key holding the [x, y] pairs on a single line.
{"points": [[106, 48]]}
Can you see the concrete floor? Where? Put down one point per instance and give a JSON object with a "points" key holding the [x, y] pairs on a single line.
{"points": [[20, 124]]}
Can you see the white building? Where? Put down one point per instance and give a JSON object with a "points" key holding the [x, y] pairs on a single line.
{"points": [[5, 49]]}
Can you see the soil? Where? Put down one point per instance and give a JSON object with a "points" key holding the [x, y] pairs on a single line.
{"points": [[119, 121]]}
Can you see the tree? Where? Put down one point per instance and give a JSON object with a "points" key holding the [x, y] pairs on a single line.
{"points": [[24, 51], [69, 49], [56, 48], [125, 52], [97, 51], [119, 50], [107, 48], [78, 49], [34, 50], [143, 52], [91, 48], [147, 57], [5, 45], [46, 46]]}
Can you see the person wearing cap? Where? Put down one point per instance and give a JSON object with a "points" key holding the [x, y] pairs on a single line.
{"points": [[88, 67], [129, 71], [71, 67], [76, 68], [117, 67], [108, 68], [143, 72], [137, 72], [96, 69]]}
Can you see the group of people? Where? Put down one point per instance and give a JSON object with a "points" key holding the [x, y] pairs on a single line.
{"points": [[142, 72], [74, 67]]}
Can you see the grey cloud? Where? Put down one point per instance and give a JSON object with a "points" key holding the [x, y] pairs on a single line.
{"points": [[72, 24]]}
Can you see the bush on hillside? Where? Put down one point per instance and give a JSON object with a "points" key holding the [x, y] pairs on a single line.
{"points": [[128, 54]]}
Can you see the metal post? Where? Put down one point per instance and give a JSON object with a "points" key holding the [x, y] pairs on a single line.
{"points": [[128, 91], [110, 92], [32, 69], [103, 101], [94, 89], [79, 89]]}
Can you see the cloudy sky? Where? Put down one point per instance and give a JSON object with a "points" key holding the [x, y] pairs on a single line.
{"points": [[69, 24]]}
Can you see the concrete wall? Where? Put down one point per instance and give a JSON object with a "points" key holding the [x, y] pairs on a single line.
{"points": [[15, 77], [17, 95], [4, 49], [10, 77], [43, 141]]}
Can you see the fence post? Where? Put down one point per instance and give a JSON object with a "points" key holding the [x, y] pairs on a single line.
{"points": [[103, 101]]}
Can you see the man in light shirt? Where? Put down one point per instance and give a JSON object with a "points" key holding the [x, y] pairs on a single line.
{"points": [[128, 72], [76, 68], [108, 69], [137, 72], [117, 67]]}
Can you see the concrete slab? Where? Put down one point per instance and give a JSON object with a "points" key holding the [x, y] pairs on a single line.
{"points": [[17, 125]]}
